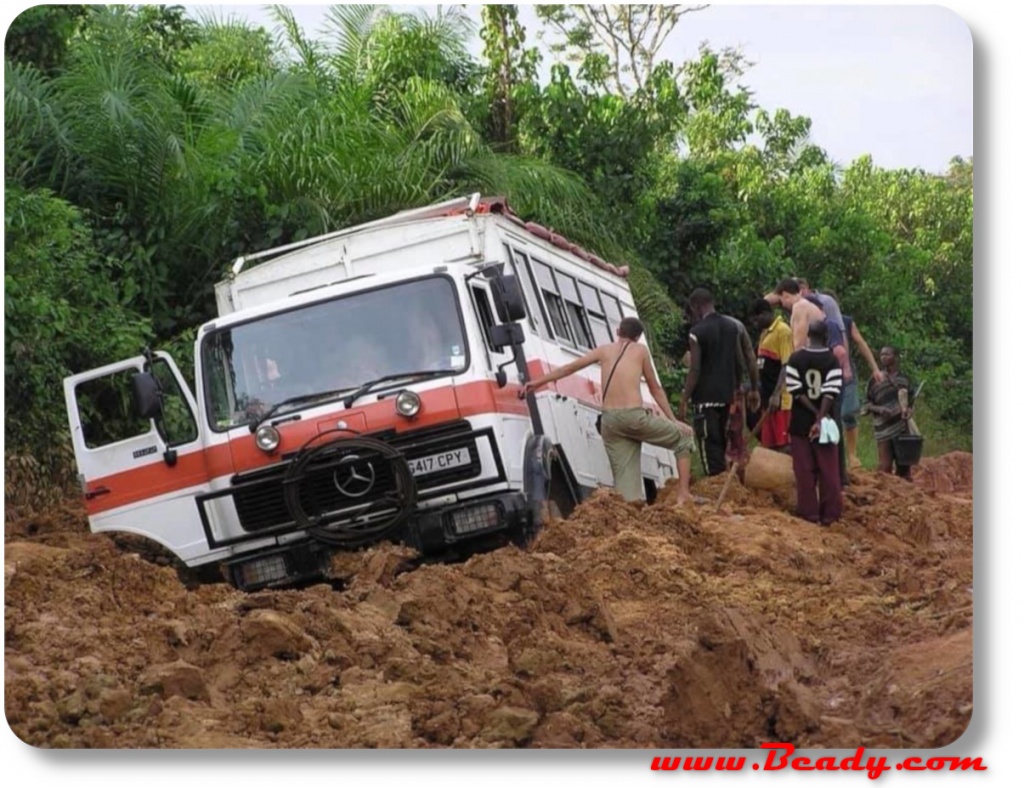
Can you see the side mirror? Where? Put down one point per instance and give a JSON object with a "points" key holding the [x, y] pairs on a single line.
{"points": [[508, 298], [505, 334], [147, 399]]}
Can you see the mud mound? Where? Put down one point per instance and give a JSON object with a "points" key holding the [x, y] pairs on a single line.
{"points": [[950, 473], [624, 626]]}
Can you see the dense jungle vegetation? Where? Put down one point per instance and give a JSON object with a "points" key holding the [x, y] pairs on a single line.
{"points": [[145, 150]]}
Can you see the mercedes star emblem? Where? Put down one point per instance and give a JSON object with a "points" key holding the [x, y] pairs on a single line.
{"points": [[355, 477]]}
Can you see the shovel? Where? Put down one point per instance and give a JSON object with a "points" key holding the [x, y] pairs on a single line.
{"points": [[911, 424]]}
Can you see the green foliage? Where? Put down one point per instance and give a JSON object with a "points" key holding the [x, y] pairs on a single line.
{"points": [[511, 74], [38, 36], [616, 46], [227, 53], [159, 33], [64, 313], [720, 116], [169, 147]]}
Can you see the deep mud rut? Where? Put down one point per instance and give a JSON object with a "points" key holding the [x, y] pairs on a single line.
{"points": [[624, 626]]}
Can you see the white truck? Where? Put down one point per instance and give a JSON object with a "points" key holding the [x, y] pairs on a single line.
{"points": [[354, 388]]}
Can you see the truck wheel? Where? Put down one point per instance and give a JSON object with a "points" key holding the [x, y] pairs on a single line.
{"points": [[546, 488], [559, 502]]}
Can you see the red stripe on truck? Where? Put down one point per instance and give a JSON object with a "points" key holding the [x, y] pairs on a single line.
{"points": [[240, 454]]}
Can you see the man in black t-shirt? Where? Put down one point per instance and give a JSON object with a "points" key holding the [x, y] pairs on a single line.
{"points": [[713, 379], [814, 377]]}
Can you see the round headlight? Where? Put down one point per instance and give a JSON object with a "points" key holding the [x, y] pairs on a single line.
{"points": [[407, 403], [268, 438]]}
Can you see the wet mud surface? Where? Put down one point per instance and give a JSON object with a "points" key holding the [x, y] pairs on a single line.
{"points": [[622, 627]]}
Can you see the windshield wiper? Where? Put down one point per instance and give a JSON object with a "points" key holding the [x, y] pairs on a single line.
{"points": [[254, 424], [366, 387]]}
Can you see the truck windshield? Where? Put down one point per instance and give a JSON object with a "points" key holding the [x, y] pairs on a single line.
{"points": [[331, 346]]}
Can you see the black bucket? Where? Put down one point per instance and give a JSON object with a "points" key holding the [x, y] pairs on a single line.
{"points": [[907, 449]]}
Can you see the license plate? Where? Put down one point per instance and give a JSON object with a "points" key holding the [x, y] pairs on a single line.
{"points": [[435, 463]]}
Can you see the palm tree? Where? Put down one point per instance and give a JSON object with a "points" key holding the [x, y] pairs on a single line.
{"points": [[182, 175]]}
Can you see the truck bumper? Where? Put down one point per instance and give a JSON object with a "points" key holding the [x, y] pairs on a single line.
{"points": [[455, 531]]}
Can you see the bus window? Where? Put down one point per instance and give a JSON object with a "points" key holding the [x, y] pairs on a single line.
{"points": [[553, 302], [574, 308], [612, 309], [599, 328]]}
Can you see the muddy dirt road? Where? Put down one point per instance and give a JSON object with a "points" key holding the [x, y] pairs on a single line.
{"points": [[624, 626]]}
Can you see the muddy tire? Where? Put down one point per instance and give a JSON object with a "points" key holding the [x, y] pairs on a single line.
{"points": [[547, 488], [559, 502]]}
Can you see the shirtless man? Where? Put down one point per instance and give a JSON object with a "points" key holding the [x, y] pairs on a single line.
{"points": [[625, 423], [801, 311]]}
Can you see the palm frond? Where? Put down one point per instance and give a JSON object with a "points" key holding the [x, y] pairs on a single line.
{"points": [[348, 28], [34, 139], [310, 53]]}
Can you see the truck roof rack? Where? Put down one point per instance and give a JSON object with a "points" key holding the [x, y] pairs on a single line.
{"points": [[461, 205], [447, 208]]}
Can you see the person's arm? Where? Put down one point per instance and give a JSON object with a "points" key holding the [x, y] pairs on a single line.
{"points": [[658, 392], [557, 374], [869, 395], [794, 384], [865, 351], [820, 414], [773, 298], [754, 395], [882, 410], [903, 394], [776, 399], [820, 411], [801, 322], [692, 375], [785, 350]]}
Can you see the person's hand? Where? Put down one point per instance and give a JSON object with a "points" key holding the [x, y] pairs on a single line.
{"points": [[904, 413], [775, 402], [878, 376], [684, 428], [528, 387], [754, 400], [815, 429]]}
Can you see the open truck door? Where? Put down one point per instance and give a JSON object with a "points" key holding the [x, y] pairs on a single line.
{"points": [[138, 447]]}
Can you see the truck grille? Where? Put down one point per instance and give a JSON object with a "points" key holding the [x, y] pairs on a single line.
{"points": [[262, 506]]}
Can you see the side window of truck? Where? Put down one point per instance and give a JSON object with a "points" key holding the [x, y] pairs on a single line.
{"points": [[553, 302], [574, 308], [595, 314], [105, 410], [484, 315], [521, 268], [612, 309], [178, 425]]}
